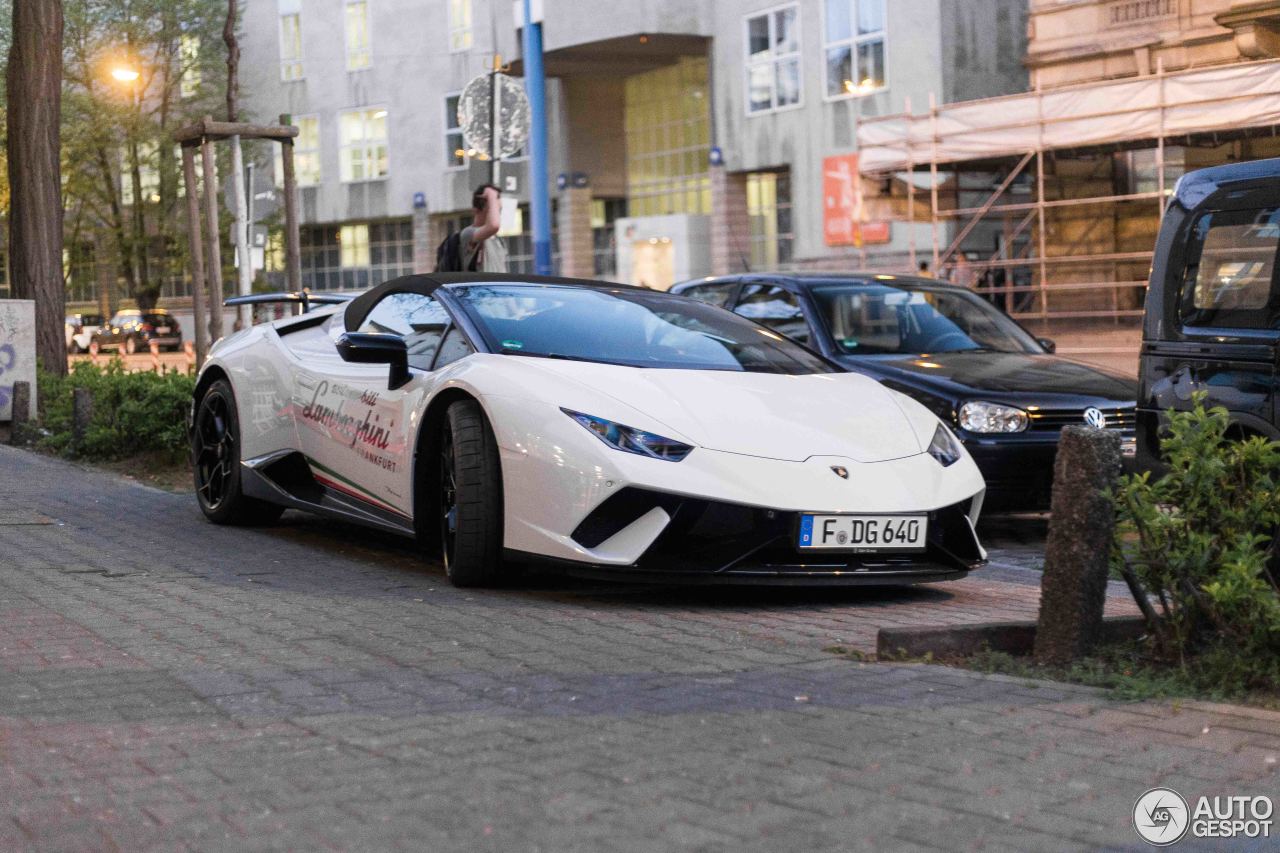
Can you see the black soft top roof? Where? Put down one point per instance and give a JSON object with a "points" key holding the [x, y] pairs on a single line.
{"points": [[428, 283]]}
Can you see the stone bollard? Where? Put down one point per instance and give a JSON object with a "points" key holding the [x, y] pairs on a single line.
{"points": [[21, 412], [1077, 554], [155, 357], [81, 414], [93, 353]]}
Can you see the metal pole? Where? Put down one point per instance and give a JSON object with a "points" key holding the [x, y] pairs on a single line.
{"points": [[1160, 141], [494, 113], [911, 192], [933, 176], [540, 202], [195, 238]]}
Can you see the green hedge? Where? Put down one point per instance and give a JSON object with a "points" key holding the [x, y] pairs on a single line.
{"points": [[132, 412], [1200, 542]]}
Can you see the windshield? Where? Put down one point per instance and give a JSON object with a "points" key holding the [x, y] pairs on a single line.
{"points": [[628, 327], [870, 319]]}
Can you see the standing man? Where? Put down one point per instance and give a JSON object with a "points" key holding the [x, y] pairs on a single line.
{"points": [[482, 249]]}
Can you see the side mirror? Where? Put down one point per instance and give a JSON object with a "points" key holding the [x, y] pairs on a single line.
{"points": [[376, 348], [1048, 344]]}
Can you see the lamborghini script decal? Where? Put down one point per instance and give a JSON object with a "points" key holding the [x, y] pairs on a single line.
{"points": [[364, 432]]}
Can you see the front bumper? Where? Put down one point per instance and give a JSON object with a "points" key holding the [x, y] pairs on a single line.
{"points": [[710, 542]]}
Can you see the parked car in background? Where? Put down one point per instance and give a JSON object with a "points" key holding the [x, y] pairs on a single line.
{"points": [[1212, 320], [132, 330], [1003, 391], [80, 329]]}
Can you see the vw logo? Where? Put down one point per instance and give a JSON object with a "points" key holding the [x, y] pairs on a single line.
{"points": [[1094, 418], [840, 471]]}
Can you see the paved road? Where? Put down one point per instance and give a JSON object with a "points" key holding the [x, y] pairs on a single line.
{"points": [[166, 684]]}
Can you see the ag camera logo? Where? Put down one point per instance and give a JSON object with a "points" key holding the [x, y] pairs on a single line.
{"points": [[1161, 817]]}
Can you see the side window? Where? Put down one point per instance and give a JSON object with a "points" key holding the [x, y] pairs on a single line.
{"points": [[775, 307], [453, 348], [1230, 279], [419, 319], [712, 294]]}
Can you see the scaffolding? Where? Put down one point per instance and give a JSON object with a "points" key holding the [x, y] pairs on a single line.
{"points": [[1020, 142]]}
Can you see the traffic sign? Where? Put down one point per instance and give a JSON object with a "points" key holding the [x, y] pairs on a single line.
{"points": [[477, 115]]}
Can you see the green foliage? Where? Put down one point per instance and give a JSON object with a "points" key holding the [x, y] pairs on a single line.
{"points": [[132, 412], [1199, 540]]}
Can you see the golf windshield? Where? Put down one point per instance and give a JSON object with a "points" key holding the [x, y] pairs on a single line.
{"points": [[636, 328], [871, 319]]}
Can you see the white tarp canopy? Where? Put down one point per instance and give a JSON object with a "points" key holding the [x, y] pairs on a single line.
{"points": [[1200, 100]]}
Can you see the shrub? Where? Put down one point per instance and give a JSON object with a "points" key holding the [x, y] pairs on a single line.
{"points": [[1199, 540], [132, 412]]}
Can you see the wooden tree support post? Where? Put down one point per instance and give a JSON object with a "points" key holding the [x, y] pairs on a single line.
{"points": [[21, 412], [292, 241], [206, 259], [1073, 588], [198, 282], [211, 230]]}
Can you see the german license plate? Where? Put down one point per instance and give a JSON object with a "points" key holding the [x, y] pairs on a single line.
{"points": [[866, 534], [163, 330]]}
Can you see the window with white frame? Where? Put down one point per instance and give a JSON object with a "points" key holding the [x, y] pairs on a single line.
{"points": [[854, 47], [773, 59], [189, 55], [357, 27], [290, 39], [455, 149], [306, 153], [459, 25], [362, 136]]}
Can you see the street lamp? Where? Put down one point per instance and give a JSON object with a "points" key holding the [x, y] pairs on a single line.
{"points": [[124, 75]]}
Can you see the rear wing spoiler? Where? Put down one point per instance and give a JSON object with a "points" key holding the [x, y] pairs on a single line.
{"points": [[304, 297]]}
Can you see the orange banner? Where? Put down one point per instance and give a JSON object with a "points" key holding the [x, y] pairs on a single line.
{"points": [[843, 221]]}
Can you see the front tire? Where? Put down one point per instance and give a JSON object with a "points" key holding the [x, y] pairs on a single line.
{"points": [[215, 461], [470, 503]]}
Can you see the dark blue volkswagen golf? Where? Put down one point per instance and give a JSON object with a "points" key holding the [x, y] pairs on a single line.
{"points": [[1006, 393]]}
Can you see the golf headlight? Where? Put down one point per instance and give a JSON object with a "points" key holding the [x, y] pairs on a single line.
{"points": [[992, 417], [945, 447], [631, 440]]}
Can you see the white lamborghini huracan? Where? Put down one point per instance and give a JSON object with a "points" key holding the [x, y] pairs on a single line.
{"points": [[610, 429]]}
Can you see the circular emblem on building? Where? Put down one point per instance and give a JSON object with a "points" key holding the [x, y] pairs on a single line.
{"points": [[1094, 418], [1161, 817]]}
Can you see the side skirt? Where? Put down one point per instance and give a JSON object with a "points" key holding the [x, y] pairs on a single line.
{"points": [[286, 478]]}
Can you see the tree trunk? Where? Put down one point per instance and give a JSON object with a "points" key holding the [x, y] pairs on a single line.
{"points": [[34, 80]]}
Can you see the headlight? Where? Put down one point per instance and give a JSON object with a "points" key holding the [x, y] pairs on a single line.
{"points": [[945, 447], [630, 439], [992, 417]]}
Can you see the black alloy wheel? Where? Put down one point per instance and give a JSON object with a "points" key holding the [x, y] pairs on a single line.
{"points": [[215, 460], [470, 497]]}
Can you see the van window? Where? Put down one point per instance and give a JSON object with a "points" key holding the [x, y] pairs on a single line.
{"points": [[1230, 280]]}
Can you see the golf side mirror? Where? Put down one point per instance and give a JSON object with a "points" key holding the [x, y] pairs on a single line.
{"points": [[1048, 344], [376, 348]]}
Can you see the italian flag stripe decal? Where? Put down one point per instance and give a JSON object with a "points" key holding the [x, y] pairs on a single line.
{"points": [[333, 480]]}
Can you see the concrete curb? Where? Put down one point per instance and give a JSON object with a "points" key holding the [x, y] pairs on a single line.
{"points": [[1016, 638]]}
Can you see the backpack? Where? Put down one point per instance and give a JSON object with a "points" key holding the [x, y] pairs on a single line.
{"points": [[449, 255]]}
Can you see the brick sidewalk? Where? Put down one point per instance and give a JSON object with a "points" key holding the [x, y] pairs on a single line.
{"points": [[165, 684]]}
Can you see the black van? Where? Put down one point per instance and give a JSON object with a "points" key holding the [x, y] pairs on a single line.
{"points": [[1213, 303]]}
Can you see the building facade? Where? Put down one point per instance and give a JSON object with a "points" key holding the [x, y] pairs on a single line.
{"points": [[1053, 197], [686, 137]]}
